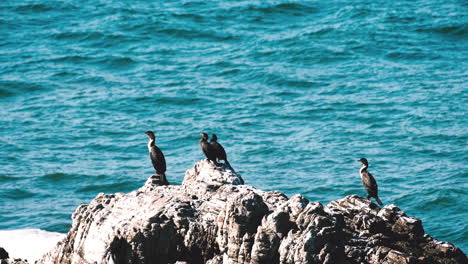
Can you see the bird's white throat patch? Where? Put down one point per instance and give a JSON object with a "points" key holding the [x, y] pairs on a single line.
{"points": [[150, 143]]}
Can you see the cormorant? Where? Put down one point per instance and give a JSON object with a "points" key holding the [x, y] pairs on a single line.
{"points": [[156, 155], [219, 150], [368, 181], [207, 148]]}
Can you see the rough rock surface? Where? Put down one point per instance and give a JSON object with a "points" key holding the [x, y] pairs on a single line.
{"points": [[3, 253], [212, 218], [4, 258], [14, 261]]}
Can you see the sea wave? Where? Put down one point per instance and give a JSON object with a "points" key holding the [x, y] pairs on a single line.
{"points": [[28, 244]]}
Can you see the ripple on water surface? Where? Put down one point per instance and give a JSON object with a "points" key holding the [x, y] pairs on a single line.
{"points": [[296, 92]]}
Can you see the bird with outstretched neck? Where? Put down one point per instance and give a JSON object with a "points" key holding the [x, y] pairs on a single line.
{"points": [[207, 148], [156, 155], [368, 181], [220, 152]]}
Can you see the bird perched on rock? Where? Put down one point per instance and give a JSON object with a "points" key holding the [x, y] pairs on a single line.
{"points": [[368, 181], [220, 152], [207, 148], [218, 148], [156, 155]]}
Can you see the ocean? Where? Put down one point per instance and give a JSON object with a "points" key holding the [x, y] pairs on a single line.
{"points": [[296, 91]]}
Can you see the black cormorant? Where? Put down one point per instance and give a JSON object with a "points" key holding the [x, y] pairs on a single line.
{"points": [[207, 148], [220, 152], [368, 181], [156, 155]]}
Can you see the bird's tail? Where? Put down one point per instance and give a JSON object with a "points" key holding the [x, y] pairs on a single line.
{"points": [[164, 178], [378, 201], [228, 166]]}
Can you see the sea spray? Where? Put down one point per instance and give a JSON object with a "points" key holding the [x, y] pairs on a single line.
{"points": [[28, 244]]}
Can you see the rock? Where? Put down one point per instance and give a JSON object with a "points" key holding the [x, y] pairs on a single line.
{"points": [[13, 261], [3, 253], [157, 179], [4, 258], [213, 218], [208, 175], [387, 235]]}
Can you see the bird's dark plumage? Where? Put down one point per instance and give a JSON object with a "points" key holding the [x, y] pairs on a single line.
{"points": [[369, 181], [156, 155], [220, 152], [207, 148], [218, 148]]}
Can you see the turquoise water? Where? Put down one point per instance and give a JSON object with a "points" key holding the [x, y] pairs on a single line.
{"points": [[296, 91]]}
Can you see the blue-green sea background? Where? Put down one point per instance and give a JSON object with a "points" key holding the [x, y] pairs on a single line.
{"points": [[296, 91]]}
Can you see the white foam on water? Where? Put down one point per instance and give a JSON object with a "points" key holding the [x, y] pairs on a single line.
{"points": [[28, 244]]}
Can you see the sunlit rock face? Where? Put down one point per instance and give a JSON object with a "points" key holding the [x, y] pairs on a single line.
{"points": [[213, 218]]}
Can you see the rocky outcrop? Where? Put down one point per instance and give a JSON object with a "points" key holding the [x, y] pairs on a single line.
{"points": [[213, 218], [14, 261], [387, 235], [3, 253], [4, 258]]}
